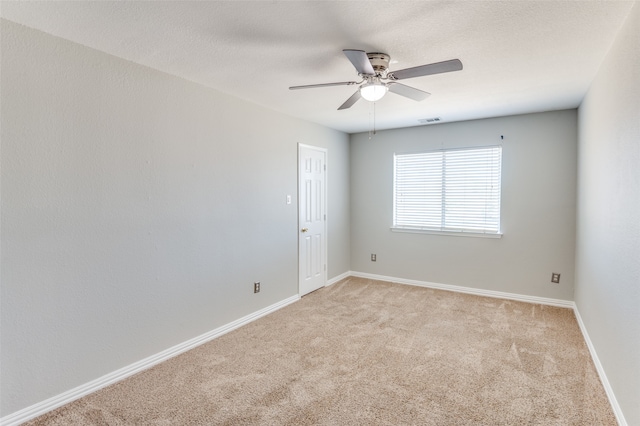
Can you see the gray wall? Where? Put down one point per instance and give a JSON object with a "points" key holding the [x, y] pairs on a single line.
{"points": [[538, 207], [608, 231], [137, 211]]}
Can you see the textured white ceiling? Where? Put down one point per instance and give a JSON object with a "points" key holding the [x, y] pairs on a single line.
{"points": [[519, 56]]}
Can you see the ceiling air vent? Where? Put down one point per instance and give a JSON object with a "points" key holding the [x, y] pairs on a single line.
{"points": [[428, 120]]}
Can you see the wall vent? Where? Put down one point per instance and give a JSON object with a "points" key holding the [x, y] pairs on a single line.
{"points": [[429, 120]]}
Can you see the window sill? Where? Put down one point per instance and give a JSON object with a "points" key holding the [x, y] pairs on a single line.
{"points": [[450, 233]]}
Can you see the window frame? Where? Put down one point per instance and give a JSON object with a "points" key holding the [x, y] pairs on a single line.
{"points": [[435, 231]]}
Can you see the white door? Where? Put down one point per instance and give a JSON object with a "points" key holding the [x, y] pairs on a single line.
{"points": [[312, 241]]}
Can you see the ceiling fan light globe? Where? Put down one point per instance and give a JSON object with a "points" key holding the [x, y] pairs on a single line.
{"points": [[373, 91]]}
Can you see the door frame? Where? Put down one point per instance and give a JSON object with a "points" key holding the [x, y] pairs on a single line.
{"points": [[325, 151]]}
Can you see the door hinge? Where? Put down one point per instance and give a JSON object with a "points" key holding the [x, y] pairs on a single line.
{"points": [[325, 167], [325, 217]]}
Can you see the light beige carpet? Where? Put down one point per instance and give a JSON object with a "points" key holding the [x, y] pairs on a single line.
{"points": [[367, 352]]}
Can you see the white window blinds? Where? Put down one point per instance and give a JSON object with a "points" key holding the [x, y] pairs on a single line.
{"points": [[449, 190]]}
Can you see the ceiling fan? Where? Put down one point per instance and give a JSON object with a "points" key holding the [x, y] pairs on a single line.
{"points": [[376, 79]]}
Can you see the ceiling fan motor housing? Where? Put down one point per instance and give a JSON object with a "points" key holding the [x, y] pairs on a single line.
{"points": [[379, 61]]}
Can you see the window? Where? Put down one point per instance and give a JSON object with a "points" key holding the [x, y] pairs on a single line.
{"points": [[455, 190]]}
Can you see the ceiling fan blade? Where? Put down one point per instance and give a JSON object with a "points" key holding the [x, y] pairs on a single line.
{"points": [[408, 92], [436, 68], [311, 86], [352, 100], [360, 60]]}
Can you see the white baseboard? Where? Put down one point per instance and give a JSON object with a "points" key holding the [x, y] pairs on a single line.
{"points": [[470, 290], [338, 278], [66, 397], [603, 377], [83, 390]]}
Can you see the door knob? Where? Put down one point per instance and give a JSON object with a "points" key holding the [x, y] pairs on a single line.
{"points": [[304, 229]]}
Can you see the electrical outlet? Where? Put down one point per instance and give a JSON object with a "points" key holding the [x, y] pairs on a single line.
{"points": [[555, 277], [256, 287], [373, 257]]}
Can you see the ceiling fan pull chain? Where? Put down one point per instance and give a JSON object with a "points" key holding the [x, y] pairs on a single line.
{"points": [[374, 119], [372, 123]]}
